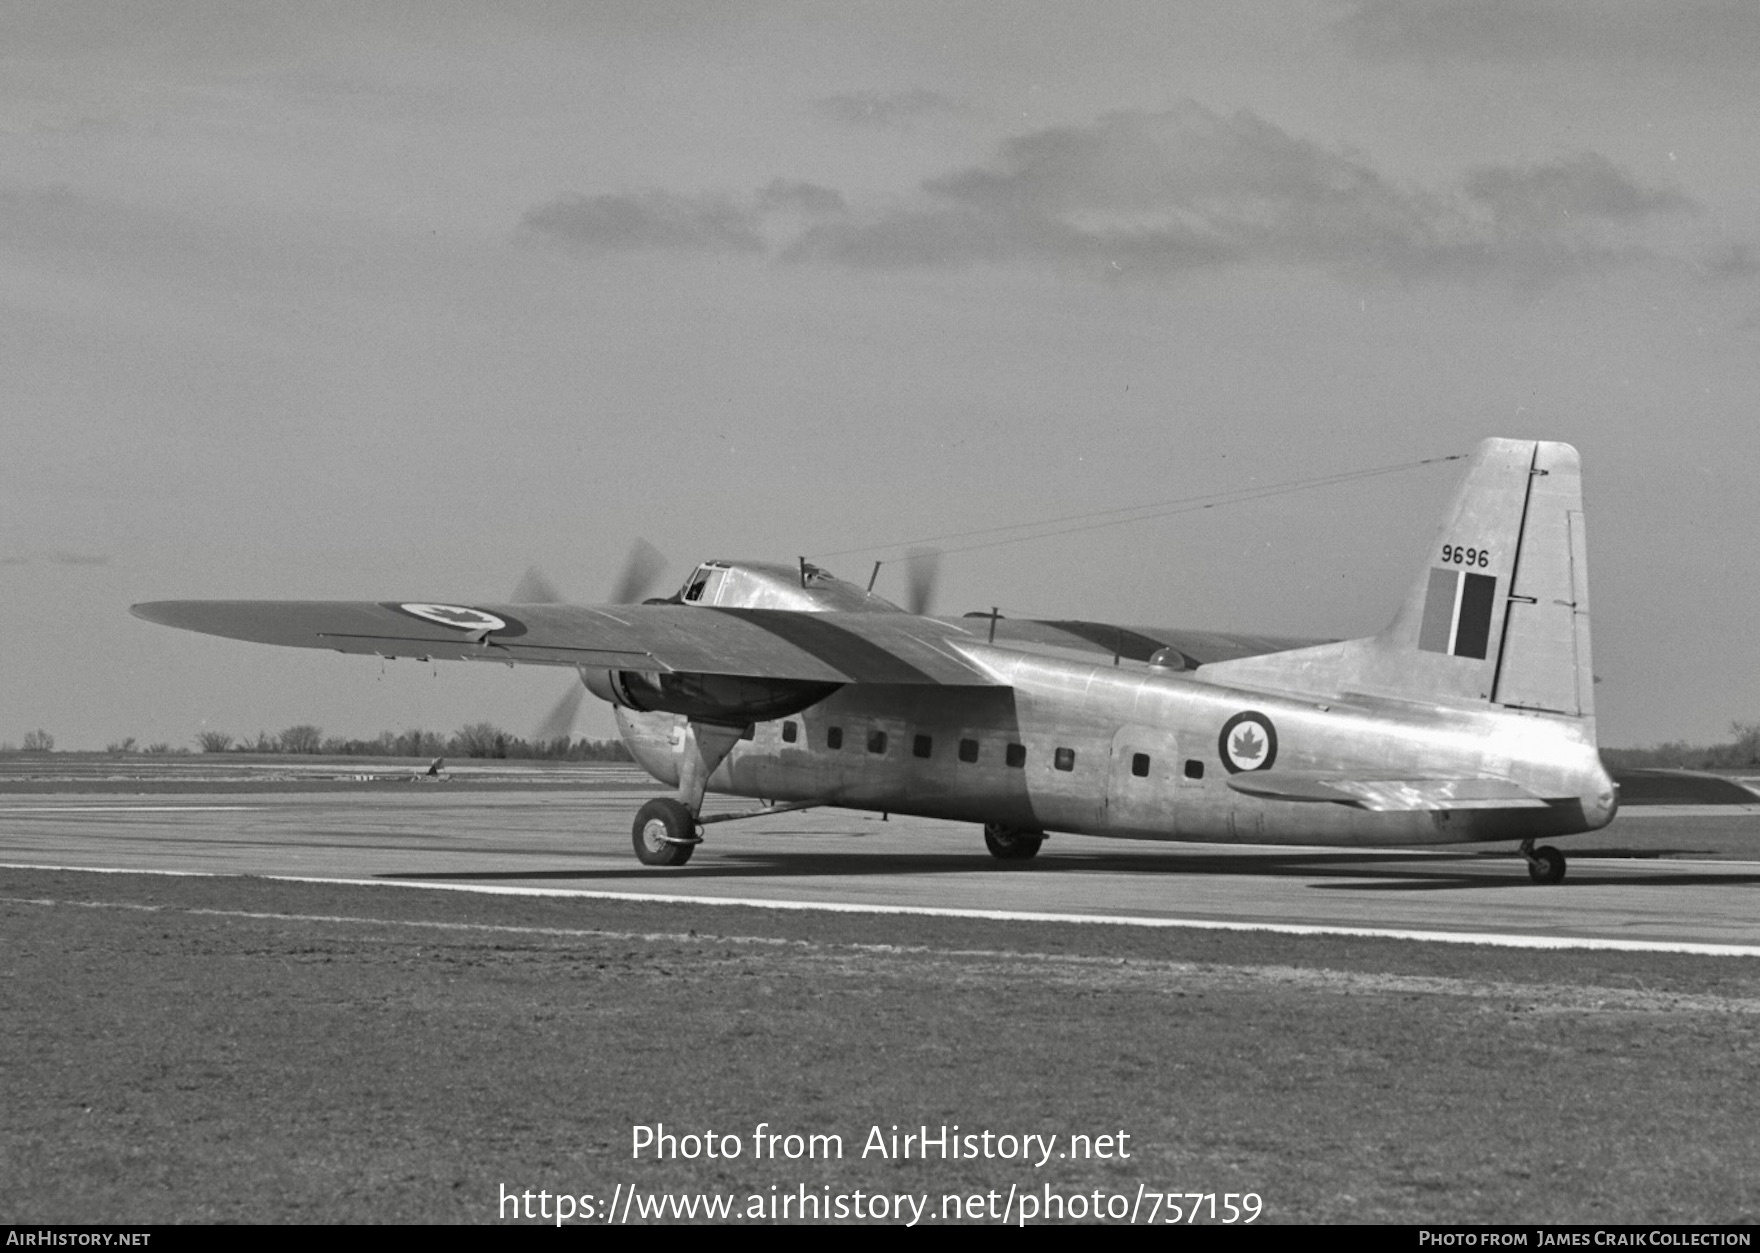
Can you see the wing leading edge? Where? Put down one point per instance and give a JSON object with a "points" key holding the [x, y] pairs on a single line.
{"points": [[774, 643]]}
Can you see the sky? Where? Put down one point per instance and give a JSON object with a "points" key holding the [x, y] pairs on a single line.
{"points": [[395, 301]]}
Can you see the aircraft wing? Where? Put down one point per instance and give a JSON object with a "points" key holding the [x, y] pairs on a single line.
{"points": [[1387, 793], [1133, 643], [774, 643]]}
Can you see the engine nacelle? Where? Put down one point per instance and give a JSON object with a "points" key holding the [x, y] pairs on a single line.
{"points": [[732, 700]]}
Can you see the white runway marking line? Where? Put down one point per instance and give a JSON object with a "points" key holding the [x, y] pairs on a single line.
{"points": [[1691, 811], [1492, 938], [127, 809], [1123, 970]]}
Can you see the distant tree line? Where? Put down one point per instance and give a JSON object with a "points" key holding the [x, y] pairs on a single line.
{"points": [[1742, 752], [478, 739]]}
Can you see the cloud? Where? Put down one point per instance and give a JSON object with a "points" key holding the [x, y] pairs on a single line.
{"points": [[1690, 32], [1156, 194], [653, 219], [872, 108], [1731, 260], [1151, 193], [1167, 191], [62, 557], [668, 220], [1131, 162], [783, 195], [1584, 185], [58, 557]]}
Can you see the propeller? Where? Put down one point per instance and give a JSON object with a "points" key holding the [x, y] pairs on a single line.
{"points": [[641, 570], [559, 722], [922, 570], [534, 589]]}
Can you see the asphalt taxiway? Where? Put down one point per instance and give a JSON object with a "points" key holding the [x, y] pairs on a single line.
{"points": [[1668, 877]]}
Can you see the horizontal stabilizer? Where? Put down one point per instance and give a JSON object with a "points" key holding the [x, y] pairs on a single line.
{"points": [[1384, 794]]}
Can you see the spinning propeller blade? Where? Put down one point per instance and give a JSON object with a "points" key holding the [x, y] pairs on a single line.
{"points": [[641, 569], [922, 568], [559, 722], [534, 589]]}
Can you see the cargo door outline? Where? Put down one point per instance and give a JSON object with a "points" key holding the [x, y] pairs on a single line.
{"points": [[1146, 803]]}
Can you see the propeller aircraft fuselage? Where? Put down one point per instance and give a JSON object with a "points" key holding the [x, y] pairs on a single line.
{"points": [[1469, 718]]}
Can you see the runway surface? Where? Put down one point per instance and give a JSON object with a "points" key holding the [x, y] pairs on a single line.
{"points": [[1661, 876]]}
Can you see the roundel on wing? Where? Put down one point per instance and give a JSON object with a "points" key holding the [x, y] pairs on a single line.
{"points": [[460, 616], [1248, 742]]}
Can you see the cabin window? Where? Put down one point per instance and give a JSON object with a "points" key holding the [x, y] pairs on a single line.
{"points": [[1140, 765], [922, 746], [968, 750], [1194, 768], [1064, 759], [750, 732], [876, 741], [834, 737], [1015, 755], [790, 732]]}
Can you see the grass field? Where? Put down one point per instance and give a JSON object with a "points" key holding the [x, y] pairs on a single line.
{"points": [[238, 1049]]}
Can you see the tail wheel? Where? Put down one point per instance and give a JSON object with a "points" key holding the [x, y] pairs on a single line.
{"points": [[665, 833], [1011, 844], [1546, 865]]}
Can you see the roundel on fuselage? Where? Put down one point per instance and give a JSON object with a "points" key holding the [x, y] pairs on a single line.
{"points": [[1248, 742]]}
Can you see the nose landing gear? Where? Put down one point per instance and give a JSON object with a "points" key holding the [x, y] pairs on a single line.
{"points": [[665, 833]]}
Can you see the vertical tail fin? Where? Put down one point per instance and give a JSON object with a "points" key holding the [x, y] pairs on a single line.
{"points": [[1500, 611]]}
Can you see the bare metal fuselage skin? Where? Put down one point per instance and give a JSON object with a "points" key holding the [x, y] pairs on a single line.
{"points": [[1107, 718]]}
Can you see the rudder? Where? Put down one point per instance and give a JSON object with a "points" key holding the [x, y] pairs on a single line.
{"points": [[1545, 662]]}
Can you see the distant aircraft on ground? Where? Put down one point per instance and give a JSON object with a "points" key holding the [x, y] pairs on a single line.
{"points": [[1470, 718]]}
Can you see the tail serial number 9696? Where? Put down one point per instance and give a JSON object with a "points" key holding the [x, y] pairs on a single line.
{"points": [[1454, 554]]}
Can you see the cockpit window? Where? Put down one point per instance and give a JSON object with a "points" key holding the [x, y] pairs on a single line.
{"points": [[704, 585]]}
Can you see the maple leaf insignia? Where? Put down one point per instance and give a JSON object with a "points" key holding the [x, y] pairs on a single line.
{"points": [[461, 616], [1246, 745]]}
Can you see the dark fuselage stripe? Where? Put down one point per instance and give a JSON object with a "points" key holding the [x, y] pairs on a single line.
{"points": [[862, 660], [1127, 643]]}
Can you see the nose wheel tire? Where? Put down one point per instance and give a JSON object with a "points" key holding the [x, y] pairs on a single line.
{"points": [[1546, 865], [1009, 844], [665, 833]]}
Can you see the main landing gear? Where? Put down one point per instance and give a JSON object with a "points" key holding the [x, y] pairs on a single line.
{"points": [[1545, 864], [1011, 843]]}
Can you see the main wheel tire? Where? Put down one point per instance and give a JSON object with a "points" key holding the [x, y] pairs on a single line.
{"points": [[1011, 844], [1547, 866], [665, 833]]}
